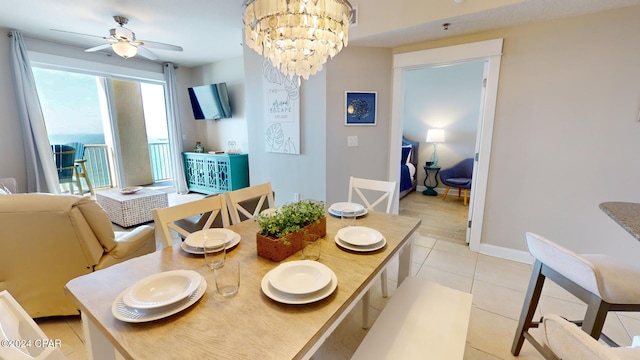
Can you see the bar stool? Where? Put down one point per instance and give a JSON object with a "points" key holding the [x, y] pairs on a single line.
{"points": [[602, 282]]}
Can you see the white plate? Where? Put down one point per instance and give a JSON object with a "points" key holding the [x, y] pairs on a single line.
{"points": [[300, 277], [269, 211], [161, 289], [292, 299], [200, 251], [197, 238], [359, 235], [337, 208], [368, 248], [132, 315], [130, 190]]}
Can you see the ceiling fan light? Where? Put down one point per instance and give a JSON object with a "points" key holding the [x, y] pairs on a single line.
{"points": [[124, 49]]}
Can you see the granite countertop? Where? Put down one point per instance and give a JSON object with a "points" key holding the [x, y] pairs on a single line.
{"points": [[626, 214]]}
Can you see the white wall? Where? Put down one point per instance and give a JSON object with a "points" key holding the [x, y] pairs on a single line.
{"points": [[445, 98], [215, 135], [357, 69], [566, 135], [305, 173]]}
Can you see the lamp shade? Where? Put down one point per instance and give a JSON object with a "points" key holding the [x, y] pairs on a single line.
{"points": [[435, 135], [124, 49]]}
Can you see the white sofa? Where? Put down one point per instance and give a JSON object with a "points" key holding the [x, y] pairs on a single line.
{"points": [[47, 240]]}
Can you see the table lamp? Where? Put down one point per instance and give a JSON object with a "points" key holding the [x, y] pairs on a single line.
{"points": [[435, 136]]}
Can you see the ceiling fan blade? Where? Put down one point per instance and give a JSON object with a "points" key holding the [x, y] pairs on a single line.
{"points": [[159, 45], [98, 48], [75, 33], [142, 51]]}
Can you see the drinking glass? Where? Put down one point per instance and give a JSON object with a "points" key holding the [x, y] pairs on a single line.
{"points": [[311, 247], [348, 218], [227, 278], [214, 252]]}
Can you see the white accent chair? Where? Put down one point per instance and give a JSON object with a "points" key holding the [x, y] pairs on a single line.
{"points": [[567, 341], [234, 199], [604, 283], [167, 219], [381, 191], [16, 325]]}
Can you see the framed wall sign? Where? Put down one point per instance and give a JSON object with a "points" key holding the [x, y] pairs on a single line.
{"points": [[361, 107], [281, 111]]}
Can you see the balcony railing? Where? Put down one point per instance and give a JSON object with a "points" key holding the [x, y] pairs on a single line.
{"points": [[100, 164], [160, 161]]}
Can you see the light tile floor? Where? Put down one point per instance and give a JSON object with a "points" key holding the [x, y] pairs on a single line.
{"points": [[497, 286]]}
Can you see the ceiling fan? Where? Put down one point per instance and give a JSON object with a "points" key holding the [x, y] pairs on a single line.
{"points": [[124, 43]]}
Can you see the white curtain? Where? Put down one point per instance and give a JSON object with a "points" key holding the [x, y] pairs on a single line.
{"points": [[175, 129], [41, 169]]}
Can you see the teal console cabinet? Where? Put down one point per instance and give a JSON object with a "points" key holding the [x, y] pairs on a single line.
{"points": [[216, 173]]}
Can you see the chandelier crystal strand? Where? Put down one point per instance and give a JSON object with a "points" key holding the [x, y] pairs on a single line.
{"points": [[297, 36]]}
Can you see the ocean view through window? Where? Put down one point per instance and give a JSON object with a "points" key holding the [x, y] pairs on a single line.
{"points": [[76, 108]]}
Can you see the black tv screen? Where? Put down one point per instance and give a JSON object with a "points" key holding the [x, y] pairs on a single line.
{"points": [[210, 102]]}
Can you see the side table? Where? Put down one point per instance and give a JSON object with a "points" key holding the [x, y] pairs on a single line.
{"points": [[131, 209], [431, 172]]}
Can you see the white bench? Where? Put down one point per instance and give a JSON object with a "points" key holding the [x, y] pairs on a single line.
{"points": [[422, 320]]}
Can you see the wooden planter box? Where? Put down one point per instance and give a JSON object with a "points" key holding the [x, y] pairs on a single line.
{"points": [[276, 250]]}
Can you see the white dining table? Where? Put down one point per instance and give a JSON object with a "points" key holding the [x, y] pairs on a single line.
{"points": [[248, 325]]}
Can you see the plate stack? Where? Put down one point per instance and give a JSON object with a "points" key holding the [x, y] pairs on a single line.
{"points": [[299, 282], [337, 209], [360, 239], [194, 243], [159, 296]]}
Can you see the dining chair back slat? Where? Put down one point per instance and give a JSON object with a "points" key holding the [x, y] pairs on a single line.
{"points": [[234, 198], [387, 188], [165, 218]]}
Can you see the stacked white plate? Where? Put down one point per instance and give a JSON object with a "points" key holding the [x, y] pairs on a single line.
{"points": [[158, 296], [337, 208], [299, 282], [194, 243], [360, 239]]}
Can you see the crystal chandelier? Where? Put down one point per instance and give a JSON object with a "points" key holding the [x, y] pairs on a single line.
{"points": [[297, 36]]}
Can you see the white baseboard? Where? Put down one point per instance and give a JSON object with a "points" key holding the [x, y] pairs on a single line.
{"points": [[492, 250], [506, 253]]}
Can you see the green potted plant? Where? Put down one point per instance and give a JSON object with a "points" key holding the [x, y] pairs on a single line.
{"points": [[280, 232]]}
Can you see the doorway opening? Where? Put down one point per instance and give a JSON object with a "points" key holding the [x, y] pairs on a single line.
{"points": [[447, 98], [489, 51]]}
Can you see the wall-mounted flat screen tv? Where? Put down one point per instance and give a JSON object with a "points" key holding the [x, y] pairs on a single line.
{"points": [[210, 102]]}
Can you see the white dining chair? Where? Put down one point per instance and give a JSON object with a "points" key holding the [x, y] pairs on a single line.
{"points": [[16, 325], [166, 218], [234, 198], [380, 191]]}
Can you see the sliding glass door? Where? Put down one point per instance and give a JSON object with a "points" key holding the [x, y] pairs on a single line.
{"points": [[121, 123]]}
